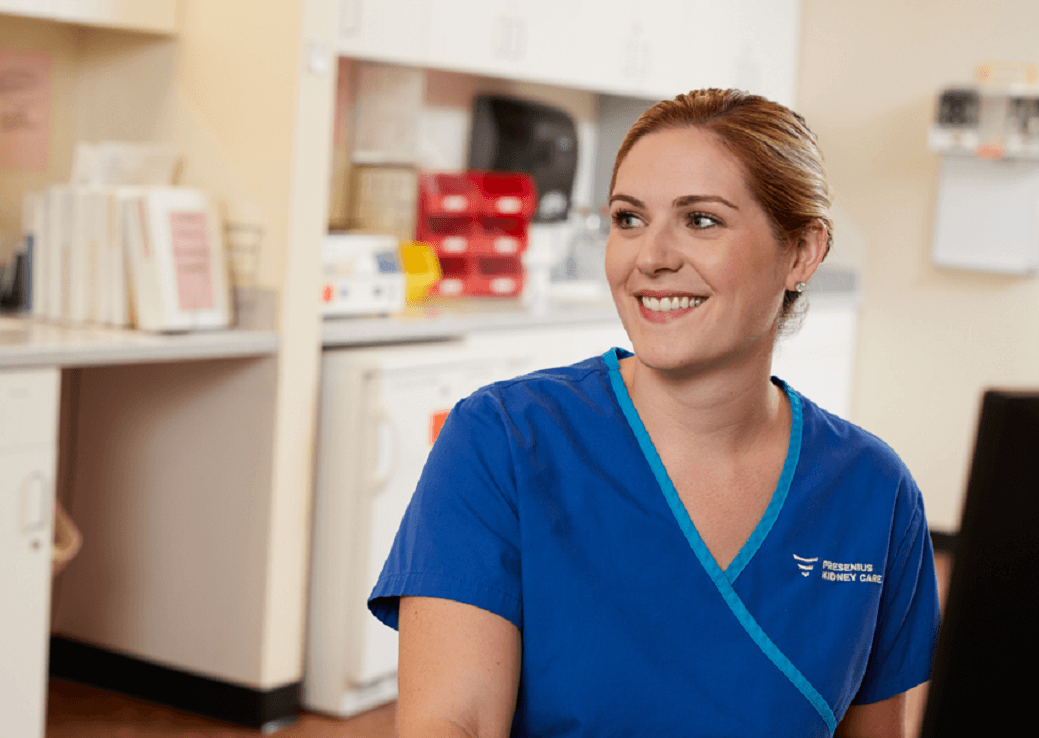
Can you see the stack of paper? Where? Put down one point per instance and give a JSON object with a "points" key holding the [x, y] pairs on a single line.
{"points": [[119, 248], [179, 275]]}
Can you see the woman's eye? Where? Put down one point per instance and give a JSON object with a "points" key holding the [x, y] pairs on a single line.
{"points": [[702, 220], [626, 219]]}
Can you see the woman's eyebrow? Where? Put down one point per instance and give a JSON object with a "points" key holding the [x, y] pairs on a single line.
{"points": [[681, 202], [628, 198]]}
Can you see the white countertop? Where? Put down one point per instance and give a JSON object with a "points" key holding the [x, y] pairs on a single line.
{"points": [[28, 342], [454, 318]]}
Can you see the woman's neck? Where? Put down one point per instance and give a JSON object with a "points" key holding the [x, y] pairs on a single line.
{"points": [[725, 411]]}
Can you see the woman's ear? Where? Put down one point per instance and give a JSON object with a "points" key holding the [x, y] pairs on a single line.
{"points": [[811, 249]]}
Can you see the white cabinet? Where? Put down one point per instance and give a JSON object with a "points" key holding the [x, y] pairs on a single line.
{"points": [[708, 36], [28, 458], [651, 49], [767, 48], [633, 48], [379, 413], [500, 38], [479, 36], [553, 42], [378, 407], [392, 31], [747, 44], [154, 16]]}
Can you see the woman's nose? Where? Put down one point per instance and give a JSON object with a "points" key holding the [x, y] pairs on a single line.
{"points": [[658, 252]]}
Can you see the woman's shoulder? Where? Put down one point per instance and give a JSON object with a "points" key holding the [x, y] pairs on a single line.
{"points": [[574, 382], [847, 447], [844, 462]]}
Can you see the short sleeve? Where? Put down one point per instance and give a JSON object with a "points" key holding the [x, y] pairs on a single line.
{"points": [[459, 538], [907, 624]]}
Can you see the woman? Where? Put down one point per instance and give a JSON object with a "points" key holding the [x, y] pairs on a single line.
{"points": [[670, 542]]}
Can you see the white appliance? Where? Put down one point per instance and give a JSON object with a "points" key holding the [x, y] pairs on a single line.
{"points": [[361, 275], [379, 410], [28, 459]]}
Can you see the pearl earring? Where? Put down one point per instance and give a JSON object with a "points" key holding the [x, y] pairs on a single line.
{"points": [[800, 287]]}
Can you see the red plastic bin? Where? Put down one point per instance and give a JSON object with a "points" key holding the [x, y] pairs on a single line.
{"points": [[448, 193], [486, 235], [505, 193], [480, 276], [448, 234]]}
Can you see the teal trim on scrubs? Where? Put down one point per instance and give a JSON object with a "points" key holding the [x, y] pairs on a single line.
{"points": [[720, 579]]}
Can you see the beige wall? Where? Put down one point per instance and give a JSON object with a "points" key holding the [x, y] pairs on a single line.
{"points": [[235, 106], [224, 92], [931, 339], [61, 43]]}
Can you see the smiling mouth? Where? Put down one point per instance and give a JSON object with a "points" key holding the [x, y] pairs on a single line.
{"points": [[667, 304]]}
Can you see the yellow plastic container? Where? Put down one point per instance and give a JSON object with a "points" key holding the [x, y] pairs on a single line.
{"points": [[421, 270]]}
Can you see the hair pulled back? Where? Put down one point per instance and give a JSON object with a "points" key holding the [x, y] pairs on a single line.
{"points": [[779, 153]]}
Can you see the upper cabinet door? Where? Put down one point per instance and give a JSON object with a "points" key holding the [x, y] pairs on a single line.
{"points": [[486, 37], [555, 43], [628, 46], [703, 52], [651, 49], [154, 16], [768, 53], [747, 44], [538, 40], [385, 30]]}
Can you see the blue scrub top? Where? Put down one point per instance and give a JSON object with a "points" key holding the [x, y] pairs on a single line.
{"points": [[545, 502]]}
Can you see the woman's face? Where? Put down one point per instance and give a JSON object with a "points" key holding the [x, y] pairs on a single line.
{"points": [[695, 270]]}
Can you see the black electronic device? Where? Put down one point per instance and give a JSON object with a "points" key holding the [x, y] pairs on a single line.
{"points": [[959, 108], [989, 644], [514, 135], [13, 282]]}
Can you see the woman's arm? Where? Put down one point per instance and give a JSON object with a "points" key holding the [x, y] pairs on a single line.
{"points": [[884, 719], [458, 670]]}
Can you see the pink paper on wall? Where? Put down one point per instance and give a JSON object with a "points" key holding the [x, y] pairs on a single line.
{"points": [[25, 109], [192, 259]]}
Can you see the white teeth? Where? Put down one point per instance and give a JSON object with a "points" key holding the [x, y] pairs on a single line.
{"points": [[667, 304]]}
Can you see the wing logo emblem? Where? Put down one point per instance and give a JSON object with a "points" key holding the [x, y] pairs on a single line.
{"points": [[805, 565]]}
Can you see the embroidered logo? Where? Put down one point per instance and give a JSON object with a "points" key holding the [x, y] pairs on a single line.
{"points": [[836, 571], [805, 565]]}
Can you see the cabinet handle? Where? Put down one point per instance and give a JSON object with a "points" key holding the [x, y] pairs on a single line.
{"points": [[504, 44], [631, 54], [519, 37], [646, 59], [382, 452]]}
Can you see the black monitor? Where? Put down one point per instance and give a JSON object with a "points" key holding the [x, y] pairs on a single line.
{"points": [[988, 646]]}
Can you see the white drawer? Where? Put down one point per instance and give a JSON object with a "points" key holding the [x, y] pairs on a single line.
{"points": [[29, 407]]}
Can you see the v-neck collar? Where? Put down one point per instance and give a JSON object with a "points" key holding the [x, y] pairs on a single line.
{"points": [[685, 523], [723, 580]]}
